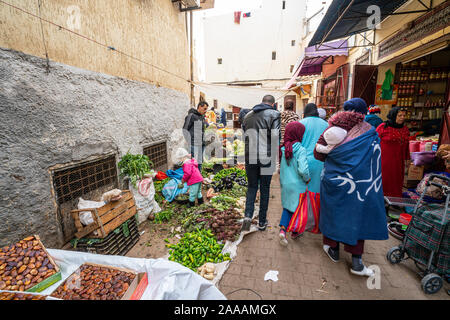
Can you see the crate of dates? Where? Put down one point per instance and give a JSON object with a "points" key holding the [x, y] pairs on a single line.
{"points": [[27, 266], [15, 295], [98, 282]]}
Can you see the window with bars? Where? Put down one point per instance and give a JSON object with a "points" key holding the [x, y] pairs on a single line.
{"points": [[219, 60], [291, 68], [274, 55], [157, 153], [71, 183], [292, 43]]}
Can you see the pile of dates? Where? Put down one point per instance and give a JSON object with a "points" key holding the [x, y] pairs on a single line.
{"points": [[92, 282], [20, 296], [23, 265]]}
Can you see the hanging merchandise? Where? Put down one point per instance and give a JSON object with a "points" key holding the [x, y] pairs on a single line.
{"points": [[387, 88], [237, 17], [246, 15]]}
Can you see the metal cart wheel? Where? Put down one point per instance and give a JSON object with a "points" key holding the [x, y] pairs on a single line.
{"points": [[395, 255], [432, 283]]}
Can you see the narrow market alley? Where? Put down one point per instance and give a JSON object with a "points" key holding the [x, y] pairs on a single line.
{"points": [[305, 272]]}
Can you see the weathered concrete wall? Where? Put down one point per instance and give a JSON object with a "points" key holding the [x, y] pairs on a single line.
{"points": [[153, 31], [62, 117]]}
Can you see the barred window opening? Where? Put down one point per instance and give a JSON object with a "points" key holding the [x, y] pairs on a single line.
{"points": [[157, 154], [74, 182]]}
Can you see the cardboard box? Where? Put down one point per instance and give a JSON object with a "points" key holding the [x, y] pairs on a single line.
{"points": [[415, 172], [143, 283], [39, 296], [45, 283], [136, 287]]}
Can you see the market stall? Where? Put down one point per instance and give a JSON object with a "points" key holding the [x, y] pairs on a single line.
{"points": [[421, 86], [195, 262], [62, 274]]}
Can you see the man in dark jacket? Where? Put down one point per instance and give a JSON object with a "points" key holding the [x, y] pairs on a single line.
{"points": [[262, 138], [194, 130], [242, 115]]}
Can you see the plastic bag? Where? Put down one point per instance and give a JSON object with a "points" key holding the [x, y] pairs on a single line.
{"points": [[144, 197], [422, 158], [86, 216], [171, 190]]}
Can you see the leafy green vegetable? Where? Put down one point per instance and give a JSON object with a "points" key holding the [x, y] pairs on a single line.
{"points": [[226, 172], [135, 166], [164, 215]]}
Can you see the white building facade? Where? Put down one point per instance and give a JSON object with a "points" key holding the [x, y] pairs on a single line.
{"points": [[259, 50]]}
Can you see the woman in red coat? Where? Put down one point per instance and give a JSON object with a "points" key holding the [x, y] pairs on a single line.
{"points": [[394, 136]]}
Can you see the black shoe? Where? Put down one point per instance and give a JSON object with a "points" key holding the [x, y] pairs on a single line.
{"points": [[246, 224], [332, 254], [263, 226], [200, 201], [191, 204]]}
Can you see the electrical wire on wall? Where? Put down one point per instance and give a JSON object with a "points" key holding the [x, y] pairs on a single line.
{"points": [[92, 40], [43, 38]]}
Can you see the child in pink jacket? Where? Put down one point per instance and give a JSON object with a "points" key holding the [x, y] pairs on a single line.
{"points": [[192, 176]]}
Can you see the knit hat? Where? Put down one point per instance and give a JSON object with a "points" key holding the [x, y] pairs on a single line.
{"points": [[180, 155], [334, 135], [322, 113], [374, 109], [356, 104]]}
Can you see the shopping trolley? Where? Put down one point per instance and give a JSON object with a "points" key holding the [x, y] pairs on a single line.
{"points": [[426, 240]]}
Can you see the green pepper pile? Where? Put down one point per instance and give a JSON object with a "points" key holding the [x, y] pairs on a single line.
{"points": [[197, 248]]}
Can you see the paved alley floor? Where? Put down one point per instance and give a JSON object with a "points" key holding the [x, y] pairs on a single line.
{"points": [[306, 272]]}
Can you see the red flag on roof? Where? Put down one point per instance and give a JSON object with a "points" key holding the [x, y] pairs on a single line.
{"points": [[237, 17]]}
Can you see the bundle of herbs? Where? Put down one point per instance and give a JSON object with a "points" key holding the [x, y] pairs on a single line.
{"points": [[196, 218], [135, 166]]}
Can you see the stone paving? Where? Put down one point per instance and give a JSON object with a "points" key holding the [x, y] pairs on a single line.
{"points": [[306, 272]]}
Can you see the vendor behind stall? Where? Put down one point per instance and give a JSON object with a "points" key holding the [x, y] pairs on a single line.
{"points": [[394, 141]]}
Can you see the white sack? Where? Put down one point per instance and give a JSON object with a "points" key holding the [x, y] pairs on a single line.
{"points": [[86, 216]]}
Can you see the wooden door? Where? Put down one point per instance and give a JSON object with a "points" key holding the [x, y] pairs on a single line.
{"points": [[365, 83]]}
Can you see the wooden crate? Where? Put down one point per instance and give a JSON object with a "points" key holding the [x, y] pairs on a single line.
{"points": [[106, 218]]}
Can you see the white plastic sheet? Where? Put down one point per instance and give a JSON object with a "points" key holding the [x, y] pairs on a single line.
{"points": [[167, 280], [244, 97]]}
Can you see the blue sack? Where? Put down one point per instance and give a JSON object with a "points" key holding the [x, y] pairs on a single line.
{"points": [[175, 174], [170, 189]]}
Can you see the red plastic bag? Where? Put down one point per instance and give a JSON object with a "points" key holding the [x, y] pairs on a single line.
{"points": [[161, 176]]}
